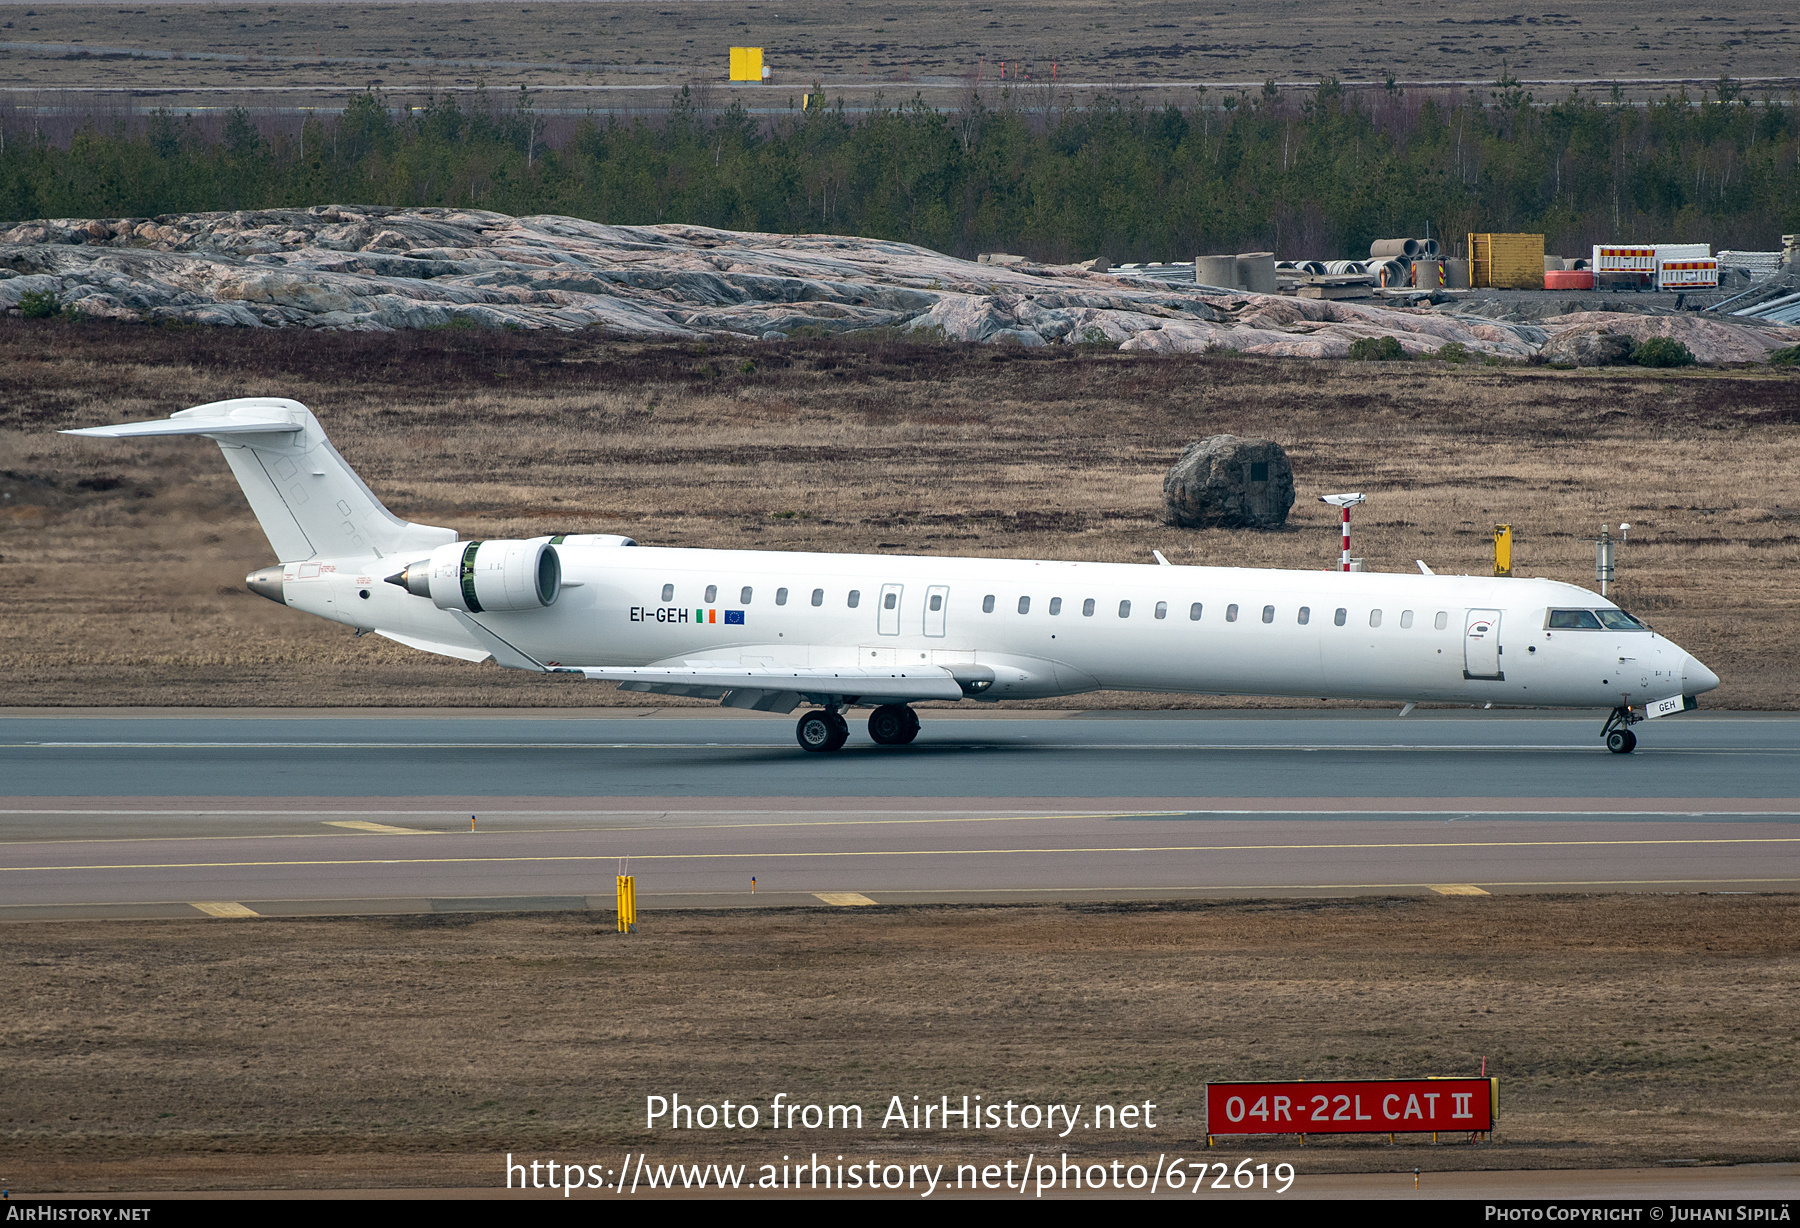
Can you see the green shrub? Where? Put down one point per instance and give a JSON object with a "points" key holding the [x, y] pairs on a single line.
{"points": [[1453, 351], [1662, 352], [1789, 357], [38, 304], [1377, 349]]}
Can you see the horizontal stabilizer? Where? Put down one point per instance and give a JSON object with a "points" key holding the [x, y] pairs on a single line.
{"points": [[910, 684], [187, 426]]}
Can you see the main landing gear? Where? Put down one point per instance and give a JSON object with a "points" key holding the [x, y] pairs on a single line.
{"points": [[1616, 733], [893, 725], [825, 729], [822, 730]]}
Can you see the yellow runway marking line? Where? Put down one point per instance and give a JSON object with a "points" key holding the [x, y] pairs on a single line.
{"points": [[936, 852], [379, 828], [222, 908], [844, 899], [1459, 889]]}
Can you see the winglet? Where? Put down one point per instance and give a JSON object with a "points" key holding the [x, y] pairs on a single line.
{"points": [[1160, 559], [1424, 570]]}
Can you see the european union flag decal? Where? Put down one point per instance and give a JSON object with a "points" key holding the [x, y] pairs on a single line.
{"points": [[734, 618]]}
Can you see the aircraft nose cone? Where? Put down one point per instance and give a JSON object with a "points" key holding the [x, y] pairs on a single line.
{"points": [[1696, 678]]}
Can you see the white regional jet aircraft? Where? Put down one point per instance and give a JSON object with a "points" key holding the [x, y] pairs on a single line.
{"points": [[770, 630]]}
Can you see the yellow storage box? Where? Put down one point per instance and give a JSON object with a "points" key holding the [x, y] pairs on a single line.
{"points": [[1506, 262]]}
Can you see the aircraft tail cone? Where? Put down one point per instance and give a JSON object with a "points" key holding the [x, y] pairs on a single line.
{"points": [[267, 583]]}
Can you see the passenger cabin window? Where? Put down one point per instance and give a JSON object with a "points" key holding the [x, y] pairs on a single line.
{"points": [[1442, 620], [1087, 608], [1162, 609], [1056, 605], [1339, 618], [890, 601], [1194, 612], [781, 596], [855, 598], [1374, 618], [937, 602], [1268, 613], [987, 604], [1573, 620], [1305, 615], [1024, 605], [668, 592], [1619, 620], [712, 593], [1231, 613], [1124, 609], [818, 596], [744, 597], [1406, 618]]}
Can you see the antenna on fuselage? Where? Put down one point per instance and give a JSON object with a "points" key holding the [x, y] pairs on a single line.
{"points": [[1344, 503]]}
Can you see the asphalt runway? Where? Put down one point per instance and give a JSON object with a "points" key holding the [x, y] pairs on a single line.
{"points": [[355, 813]]}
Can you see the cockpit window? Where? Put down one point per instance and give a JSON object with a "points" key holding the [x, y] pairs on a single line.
{"points": [[1619, 620], [1573, 620]]}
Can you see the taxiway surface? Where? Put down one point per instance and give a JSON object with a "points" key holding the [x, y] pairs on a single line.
{"points": [[335, 813]]}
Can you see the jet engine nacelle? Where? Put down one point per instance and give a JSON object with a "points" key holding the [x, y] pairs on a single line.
{"points": [[478, 576]]}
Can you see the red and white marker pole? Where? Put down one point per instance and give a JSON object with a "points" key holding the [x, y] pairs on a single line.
{"points": [[1343, 503]]}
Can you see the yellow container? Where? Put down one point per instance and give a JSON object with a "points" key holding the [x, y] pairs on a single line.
{"points": [[746, 64], [1506, 262]]}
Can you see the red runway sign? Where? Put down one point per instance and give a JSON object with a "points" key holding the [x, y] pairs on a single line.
{"points": [[1382, 1106]]}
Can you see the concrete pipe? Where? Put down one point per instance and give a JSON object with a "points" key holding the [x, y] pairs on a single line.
{"points": [[1256, 272], [1384, 248], [1429, 248], [1341, 268], [1391, 274], [1314, 267], [1428, 274], [1217, 271], [1456, 273]]}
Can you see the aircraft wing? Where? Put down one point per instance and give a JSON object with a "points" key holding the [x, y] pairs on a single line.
{"points": [[767, 689], [762, 688]]}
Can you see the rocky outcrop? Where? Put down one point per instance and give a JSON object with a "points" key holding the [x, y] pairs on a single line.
{"points": [[1589, 345], [356, 267], [1227, 482]]}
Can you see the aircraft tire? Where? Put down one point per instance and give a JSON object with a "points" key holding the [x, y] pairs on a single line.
{"points": [[821, 731], [1621, 741], [893, 725]]}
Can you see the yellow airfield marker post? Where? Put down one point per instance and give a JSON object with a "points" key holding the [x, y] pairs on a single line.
{"points": [[1503, 550], [627, 904]]}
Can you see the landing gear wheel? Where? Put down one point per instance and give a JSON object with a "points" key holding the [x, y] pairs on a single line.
{"points": [[893, 725], [821, 731], [1621, 741]]}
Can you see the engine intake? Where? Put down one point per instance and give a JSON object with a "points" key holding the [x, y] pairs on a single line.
{"points": [[479, 576]]}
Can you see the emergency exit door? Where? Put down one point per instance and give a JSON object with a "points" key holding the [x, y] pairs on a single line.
{"points": [[1481, 646], [937, 600], [887, 618]]}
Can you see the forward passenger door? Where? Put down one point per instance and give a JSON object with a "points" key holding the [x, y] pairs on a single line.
{"points": [[1481, 646]]}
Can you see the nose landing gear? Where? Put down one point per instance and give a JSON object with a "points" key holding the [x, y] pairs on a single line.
{"points": [[824, 730], [893, 725], [1616, 733]]}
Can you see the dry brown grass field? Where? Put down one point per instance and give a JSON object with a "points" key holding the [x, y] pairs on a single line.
{"points": [[629, 55], [1625, 1030], [122, 563]]}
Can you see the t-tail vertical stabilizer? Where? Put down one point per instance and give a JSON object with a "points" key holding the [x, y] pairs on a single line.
{"points": [[308, 500]]}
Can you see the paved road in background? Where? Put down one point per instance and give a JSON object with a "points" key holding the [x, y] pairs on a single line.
{"points": [[183, 817]]}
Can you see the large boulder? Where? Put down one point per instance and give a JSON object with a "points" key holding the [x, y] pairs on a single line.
{"points": [[1227, 482], [1589, 346]]}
